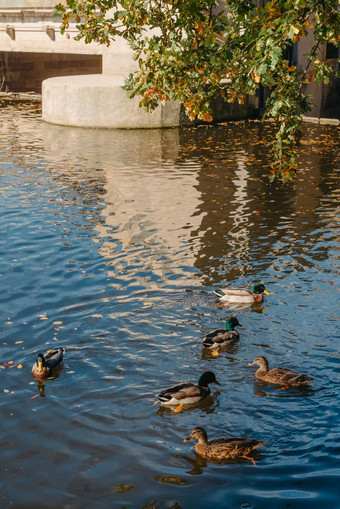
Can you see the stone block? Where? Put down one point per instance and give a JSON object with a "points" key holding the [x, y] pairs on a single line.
{"points": [[99, 101]]}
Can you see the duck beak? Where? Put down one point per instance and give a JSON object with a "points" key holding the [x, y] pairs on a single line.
{"points": [[40, 365], [250, 364], [266, 293], [187, 439], [216, 382]]}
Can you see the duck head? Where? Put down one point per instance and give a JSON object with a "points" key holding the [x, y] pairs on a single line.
{"points": [[40, 361], [232, 323], [260, 361], [259, 288], [208, 377], [198, 433]]}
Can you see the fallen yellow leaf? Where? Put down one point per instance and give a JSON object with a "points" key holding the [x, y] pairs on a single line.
{"points": [[18, 342], [19, 366]]}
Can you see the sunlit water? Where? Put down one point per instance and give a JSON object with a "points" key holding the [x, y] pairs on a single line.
{"points": [[112, 243]]}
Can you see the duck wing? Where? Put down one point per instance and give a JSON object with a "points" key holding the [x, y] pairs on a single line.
{"points": [[287, 376], [218, 336], [234, 446], [239, 292], [181, 391], [54, 357]]}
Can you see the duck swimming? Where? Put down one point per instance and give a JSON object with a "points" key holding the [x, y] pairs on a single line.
{"points": [[187, 393], [279, 376], [221, 337], [49, 365], [242, 295], [223, 448]]}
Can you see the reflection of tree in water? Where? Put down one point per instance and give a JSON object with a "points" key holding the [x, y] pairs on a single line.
{"points": [[245, 219]]}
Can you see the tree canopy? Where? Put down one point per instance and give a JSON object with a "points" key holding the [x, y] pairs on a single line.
{"points": [[193, 51]]}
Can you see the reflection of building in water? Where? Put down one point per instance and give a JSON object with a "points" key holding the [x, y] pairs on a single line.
{"points": [[239, 233], [150, 203], [245, 220], [192, 198]]}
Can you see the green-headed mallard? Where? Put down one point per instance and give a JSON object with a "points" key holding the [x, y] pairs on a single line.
{"points": [[49, 365], [279, 376], [242, 295], [223, 448], [187, 393], [221, 337]]}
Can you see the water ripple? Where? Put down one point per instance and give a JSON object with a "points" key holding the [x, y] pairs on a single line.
{"points": [[114, 254]]}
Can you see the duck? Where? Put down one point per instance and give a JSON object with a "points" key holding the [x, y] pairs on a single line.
{"points": [[49, 365], [221, 337], [242, 295], [223, 448], [187, 393], [279, 376]]}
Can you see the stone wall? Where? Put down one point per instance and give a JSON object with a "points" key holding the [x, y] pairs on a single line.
{"points": [[24, 72]]}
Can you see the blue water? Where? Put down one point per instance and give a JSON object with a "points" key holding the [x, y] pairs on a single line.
{"points": [[111, 245]]}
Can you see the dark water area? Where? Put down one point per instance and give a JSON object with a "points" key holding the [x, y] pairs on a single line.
{"points": [[112, 243]]}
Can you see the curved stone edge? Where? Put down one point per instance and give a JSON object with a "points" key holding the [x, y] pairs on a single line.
{"points": [[99, 101]]}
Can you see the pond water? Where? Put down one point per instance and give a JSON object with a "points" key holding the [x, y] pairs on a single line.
{"points": [[112, 243]]}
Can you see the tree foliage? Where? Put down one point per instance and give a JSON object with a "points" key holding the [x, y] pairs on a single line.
{"points": [[193, 51]]}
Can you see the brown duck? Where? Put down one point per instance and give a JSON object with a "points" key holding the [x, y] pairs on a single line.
{"points": [[279, 376], [223, 448], [49, 365]]}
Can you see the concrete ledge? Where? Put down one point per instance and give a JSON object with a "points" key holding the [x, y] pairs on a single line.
{"points": [[321, 121], [99, 101]]}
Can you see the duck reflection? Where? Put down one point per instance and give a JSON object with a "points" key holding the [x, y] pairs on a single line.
{"points": [[257, 307], [227, 352], [291, 392], [198, 463], [41, 384]]}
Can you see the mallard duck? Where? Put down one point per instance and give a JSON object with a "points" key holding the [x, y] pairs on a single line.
{"points": [[242, 295], [223, 448], [50, 364], [221, 337], [188, 393], [278, 376]]}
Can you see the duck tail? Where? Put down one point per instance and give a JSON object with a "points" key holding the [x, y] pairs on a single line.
{"points": [[207, 342], [220, 295], [260, 443]]}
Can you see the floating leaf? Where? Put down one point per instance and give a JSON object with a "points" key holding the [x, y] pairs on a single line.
{"points": [[18, 342], [97, 316], [170, 479], [124, 488], [19, 366]]}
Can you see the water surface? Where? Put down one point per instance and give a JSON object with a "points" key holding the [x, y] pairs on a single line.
{"points": [[112, 243]]}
